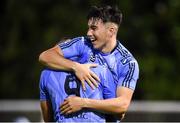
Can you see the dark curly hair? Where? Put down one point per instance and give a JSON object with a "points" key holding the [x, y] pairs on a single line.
{"points": [[106, 14]]}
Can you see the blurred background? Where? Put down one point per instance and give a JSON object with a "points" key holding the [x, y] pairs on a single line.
{"points": [[150, 30]]}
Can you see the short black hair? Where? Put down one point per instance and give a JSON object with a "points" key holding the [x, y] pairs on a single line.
{"points": [[106, 14]]}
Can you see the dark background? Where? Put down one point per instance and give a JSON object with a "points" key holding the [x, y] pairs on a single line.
{"points": [[150, 30]]}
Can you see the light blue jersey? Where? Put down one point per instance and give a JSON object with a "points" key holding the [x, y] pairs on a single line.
{"points": [[55, 86], [120, 61]]}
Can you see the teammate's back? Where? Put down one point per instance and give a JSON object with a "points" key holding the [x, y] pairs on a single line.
{"points": [[56, 86]]}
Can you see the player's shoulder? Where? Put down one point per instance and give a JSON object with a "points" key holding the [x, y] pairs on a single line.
{"points": [[131, 69], [123, 55], [70, 41], [133, 62], [81, 40], [77, 39], [44, 76], [45, 72], [121, 50]]}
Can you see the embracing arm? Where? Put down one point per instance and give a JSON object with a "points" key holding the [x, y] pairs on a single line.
{"points": [[116, 106], [47, 111], [53, 58]]}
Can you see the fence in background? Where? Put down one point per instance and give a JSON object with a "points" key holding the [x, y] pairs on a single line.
{"points": [[22, 110]]}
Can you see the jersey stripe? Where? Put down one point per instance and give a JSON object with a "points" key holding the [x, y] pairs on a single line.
{"points": [[122, 51], [129, 75], [132, 73], [69, 43], [126, 77]]}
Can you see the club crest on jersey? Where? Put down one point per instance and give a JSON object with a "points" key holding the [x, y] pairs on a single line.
{"points": [[92, 57]]}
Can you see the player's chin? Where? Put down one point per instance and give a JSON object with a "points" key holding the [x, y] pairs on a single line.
{"points": [[95, 45]]}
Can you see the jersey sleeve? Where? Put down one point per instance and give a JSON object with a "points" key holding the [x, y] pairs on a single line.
{"points": [[129, 75], [42, 87], [73, 49]]}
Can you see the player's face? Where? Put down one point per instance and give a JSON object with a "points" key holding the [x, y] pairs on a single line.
{"points": [[98, 33]]}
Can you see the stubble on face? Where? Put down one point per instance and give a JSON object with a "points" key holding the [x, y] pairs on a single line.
{"points": [[102, 35]]}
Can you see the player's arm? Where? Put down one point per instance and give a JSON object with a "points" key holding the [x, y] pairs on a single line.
{"points": [[45, 102], [47, 111], [117, 105], [54, 58]]}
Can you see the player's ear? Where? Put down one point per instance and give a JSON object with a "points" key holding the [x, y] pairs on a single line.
{"points": [[111, 31]]}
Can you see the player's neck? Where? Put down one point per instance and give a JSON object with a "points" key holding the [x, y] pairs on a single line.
{"points": [[110, 46]]}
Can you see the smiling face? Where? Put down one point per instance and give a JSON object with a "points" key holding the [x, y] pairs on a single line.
{"points": [[98, 33]]}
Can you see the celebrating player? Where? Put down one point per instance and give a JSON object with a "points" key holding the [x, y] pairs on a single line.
{"points": [[100, 47]]}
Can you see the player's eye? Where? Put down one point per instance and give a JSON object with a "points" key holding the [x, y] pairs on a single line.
{"points": [[94, 28]]}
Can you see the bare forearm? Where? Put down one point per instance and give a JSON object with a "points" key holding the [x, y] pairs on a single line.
{"points": [[115, 105], [55, 60]]}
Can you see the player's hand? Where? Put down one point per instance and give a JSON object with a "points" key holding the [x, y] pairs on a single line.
{"points": [[83, 73], [72, 104]]}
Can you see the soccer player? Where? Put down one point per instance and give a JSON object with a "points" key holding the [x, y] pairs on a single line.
{"points": [[56, 86], [100, 47]]}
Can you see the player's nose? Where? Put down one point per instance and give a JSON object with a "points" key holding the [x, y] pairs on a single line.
{"points": [[89, 32]]}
